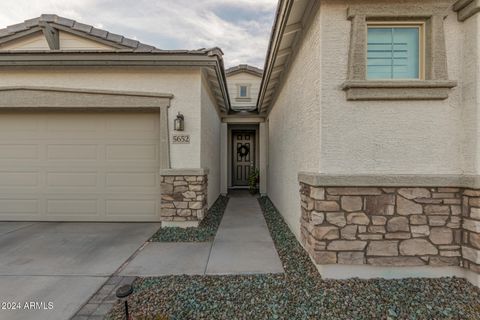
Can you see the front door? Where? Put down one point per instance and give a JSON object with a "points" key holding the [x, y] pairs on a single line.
{"points": [[243, 156]]}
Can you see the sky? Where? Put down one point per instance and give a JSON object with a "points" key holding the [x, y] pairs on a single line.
{"points": [[241, 28]]}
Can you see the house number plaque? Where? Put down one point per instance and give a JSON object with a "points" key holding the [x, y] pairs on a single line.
{"points": [[181, 139]]}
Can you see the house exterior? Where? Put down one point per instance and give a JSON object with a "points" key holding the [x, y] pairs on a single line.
{"points": [[362, 126], [372, 110], [243, 86], [241, 129], [87, 126]]}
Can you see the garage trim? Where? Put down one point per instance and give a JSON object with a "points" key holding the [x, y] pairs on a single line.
{"points": [[44, 98], [57, 99]]}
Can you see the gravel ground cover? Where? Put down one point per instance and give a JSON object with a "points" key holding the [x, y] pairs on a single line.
{"points": [[205, 232], [300, 293]]}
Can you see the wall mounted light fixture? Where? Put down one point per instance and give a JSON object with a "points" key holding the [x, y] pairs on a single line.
{"points": [[179, 123]]}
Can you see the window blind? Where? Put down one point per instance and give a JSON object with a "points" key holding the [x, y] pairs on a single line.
{"points": [[393, 53]]}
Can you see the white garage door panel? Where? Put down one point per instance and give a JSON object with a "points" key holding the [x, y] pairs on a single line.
{"points": [[79, 166], [132, 179], [131, 152], [19, 206], [72, 179], [126, 207], [18, 179], [72, 206], [71, 151], [18, 151]]}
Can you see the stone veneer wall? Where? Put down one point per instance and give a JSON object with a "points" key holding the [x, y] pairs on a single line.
{"points": [[391, 226], [184, 198]]}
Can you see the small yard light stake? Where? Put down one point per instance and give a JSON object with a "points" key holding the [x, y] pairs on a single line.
{"points": [[122, 293], [179, 123]]}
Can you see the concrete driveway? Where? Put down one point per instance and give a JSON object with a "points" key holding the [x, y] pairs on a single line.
{"points": [[59, 266]]}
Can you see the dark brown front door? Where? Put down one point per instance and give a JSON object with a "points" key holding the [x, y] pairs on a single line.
{"points": [[243, 156]]}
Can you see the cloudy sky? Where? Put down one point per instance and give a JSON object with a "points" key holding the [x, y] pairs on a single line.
{"points": [[240, 27]]}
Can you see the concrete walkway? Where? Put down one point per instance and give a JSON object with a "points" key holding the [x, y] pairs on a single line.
{"points": [[242, 246]]}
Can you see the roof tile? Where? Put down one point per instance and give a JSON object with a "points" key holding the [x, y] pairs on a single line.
{"points": [[130, 42], [99, 33], [65, 22], [32, 22], [114, 37], [4, 32], [244, 68], [82, 27], [17, 27], [49, 17], [145, 48]]}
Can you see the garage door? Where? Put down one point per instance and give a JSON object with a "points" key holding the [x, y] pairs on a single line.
{"points": [[79, 166]]}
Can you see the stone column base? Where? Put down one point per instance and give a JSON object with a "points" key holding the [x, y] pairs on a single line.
{"points": [[184, 197]]}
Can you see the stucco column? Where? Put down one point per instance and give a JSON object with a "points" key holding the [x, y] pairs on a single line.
{"points": [[358, 48], [224, 159], [164, 141], [263, 130], [471, 94], [437, 58]]}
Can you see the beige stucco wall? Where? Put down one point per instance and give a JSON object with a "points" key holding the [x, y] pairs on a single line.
{"points": [[471, 94], [210, 141], [35, 41], [415, 137], [185, 85], [243, 78], [365, 137], [294, 128], [68, 41]]}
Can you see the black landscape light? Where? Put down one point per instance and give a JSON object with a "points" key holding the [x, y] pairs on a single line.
{"points": [[122, 293]]}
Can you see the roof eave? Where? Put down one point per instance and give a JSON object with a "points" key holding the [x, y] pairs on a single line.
{"points": [[201, 59], [244, 68], [286, 31]]}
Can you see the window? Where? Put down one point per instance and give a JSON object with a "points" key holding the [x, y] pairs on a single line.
{"points": [[395, 52], [243, 92], [395, 59]]}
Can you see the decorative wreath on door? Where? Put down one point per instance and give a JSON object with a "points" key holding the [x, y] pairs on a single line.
{"points": [[243, 151]]}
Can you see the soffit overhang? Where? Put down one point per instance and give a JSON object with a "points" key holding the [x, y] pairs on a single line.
{"points": [[291, 19], [211, 61], [466, 8]]}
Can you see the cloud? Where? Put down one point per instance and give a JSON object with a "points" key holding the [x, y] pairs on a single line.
{"points": [[240, 27]]}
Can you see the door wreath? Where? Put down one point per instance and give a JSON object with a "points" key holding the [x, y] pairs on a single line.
{"points": [[243, 151]]}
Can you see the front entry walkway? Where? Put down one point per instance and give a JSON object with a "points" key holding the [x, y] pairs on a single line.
{"points": [[242, 246]]}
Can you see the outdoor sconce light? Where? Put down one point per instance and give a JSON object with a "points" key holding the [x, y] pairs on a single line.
{"points": [[179, 123]]}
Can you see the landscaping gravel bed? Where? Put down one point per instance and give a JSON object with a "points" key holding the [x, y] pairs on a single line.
{"points": [[300, 293], [205, 232]]}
